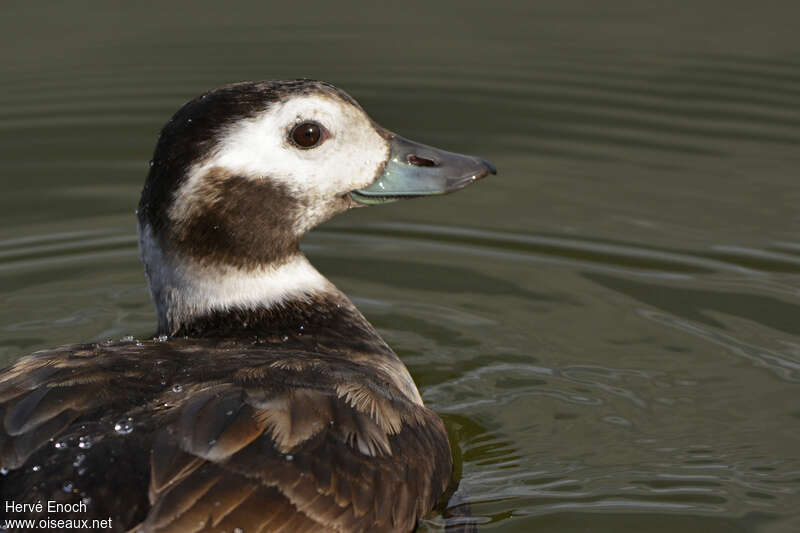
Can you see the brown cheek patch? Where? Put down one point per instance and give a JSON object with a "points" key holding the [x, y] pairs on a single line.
{"points": [[236, 221]]}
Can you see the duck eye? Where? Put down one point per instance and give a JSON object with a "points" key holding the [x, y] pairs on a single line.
{"points": [[306, 135]]}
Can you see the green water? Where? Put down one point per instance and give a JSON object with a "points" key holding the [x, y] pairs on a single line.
{"points": [[610, 327]]}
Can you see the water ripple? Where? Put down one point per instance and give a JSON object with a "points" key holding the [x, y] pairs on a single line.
{"points": [[631, 257]]}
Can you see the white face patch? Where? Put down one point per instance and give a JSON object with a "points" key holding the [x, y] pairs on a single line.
{"points": [[260, 149]]}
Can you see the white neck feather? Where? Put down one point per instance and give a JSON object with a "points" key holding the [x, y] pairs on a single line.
{"points": [[183, 290]]}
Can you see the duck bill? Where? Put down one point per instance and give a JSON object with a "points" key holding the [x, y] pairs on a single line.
{"points": [[414, 169]]}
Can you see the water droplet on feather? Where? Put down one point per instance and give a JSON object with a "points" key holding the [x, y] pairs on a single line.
{"points": [[125, 426]]}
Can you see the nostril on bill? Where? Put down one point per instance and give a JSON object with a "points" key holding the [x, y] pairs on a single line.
{"points": [[420, 161]]}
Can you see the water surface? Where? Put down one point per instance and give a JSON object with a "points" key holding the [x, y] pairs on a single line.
{"points": [[610, 327]]}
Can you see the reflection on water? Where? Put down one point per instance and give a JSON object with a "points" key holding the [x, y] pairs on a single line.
{"points": [[609, 327]]}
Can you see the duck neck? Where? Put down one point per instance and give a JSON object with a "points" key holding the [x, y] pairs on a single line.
{"points": [[312, 318], [285, 298]]}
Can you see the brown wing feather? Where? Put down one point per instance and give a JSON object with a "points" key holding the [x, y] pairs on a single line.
{"points": [[308, 452], [276, 441]]}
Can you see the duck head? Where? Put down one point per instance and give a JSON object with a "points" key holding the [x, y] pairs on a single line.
{"points": [[242, 172]]}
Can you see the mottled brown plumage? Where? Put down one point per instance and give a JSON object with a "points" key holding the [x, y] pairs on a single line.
{"points": [[223, 430]]}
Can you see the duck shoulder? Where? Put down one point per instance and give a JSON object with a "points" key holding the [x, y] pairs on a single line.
{"points": [[206, 435]]}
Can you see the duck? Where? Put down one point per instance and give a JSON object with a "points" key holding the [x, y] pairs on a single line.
{"points": [[265, 401]]}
